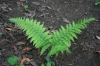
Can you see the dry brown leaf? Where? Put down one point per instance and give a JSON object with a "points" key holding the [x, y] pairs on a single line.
{"points": [[27, 48], [9, 29], [24, 59], [98, 51], [27, 59], [15, 48], [20, 43]]}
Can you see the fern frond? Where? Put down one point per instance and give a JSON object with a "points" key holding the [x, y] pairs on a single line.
{"points": [[62, 39], [34, 30]]}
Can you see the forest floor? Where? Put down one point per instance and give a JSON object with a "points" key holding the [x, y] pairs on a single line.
{"points": [[53, 13]]}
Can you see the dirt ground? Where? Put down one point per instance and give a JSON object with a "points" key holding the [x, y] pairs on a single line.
{"points": [[53, 13]]}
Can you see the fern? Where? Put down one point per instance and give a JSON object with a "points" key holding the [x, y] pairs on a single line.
{"points": [[62, 39], [59, 41], [34, 30]]}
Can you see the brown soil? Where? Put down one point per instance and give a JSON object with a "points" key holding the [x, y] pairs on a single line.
{"points": [[52, 13]]}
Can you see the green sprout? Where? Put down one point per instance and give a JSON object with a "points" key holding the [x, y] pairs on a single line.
{"points": [[97, 3], [21, 64], [12, 60], [0, 35], [49, 62], [25, 7]]}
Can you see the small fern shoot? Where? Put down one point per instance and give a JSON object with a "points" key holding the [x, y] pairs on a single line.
{"points": [[59, 41]]}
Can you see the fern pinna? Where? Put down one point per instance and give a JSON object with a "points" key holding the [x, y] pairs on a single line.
{"points": [[59, 41]]}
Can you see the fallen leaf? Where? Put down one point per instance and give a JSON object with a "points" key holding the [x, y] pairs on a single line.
{"points": [[27, 48], [98, 37], [70, 64], [27, 59], [9, 29], [49, 7], [24, 59], [33, 63], [22, 0], [15, 48], [20, 43], [98, 51]]}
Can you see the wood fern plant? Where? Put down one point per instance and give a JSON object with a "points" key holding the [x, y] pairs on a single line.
{"points": [[59, 41]]}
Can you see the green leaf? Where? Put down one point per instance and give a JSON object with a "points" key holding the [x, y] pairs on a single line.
{"points": [[12, 60], [97, 3], [48, 64], [25, 6], [21, 64], [42, 64]]}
